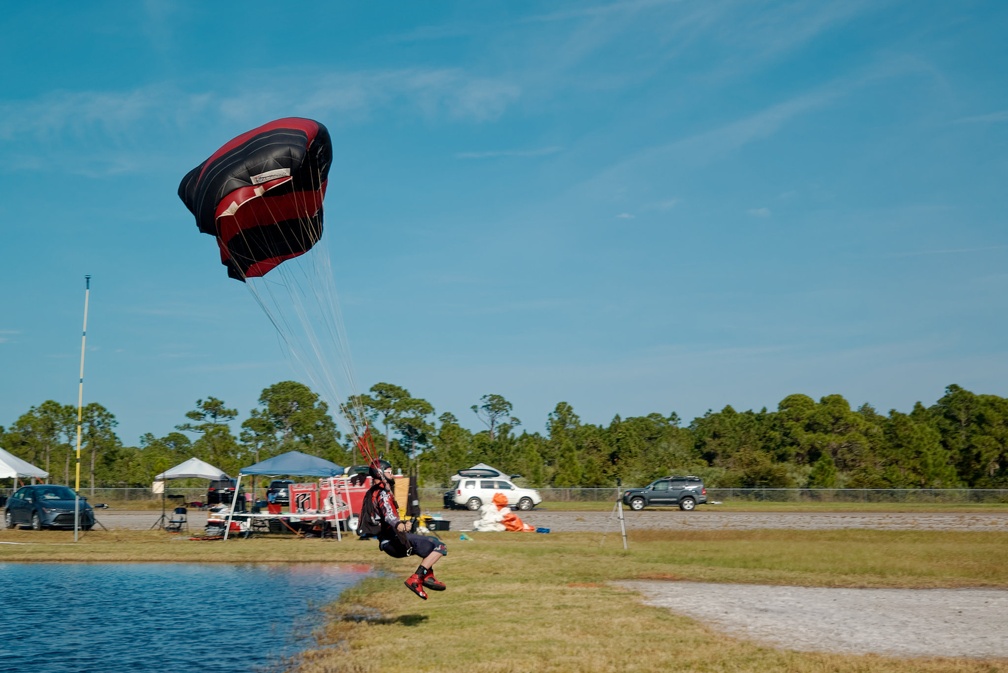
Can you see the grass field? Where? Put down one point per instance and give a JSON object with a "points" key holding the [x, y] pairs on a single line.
{"points": [[528, 602]]}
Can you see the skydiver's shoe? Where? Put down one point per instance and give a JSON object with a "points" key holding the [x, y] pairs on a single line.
{"points": [[416, 586], [432, 583]]}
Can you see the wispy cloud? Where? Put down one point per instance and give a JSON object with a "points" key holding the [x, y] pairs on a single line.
{"points": [[990, 118], [121, 117], [495, 154], [714, 145], [947, 251], [596, 10], [625, 216], [759, 212]]}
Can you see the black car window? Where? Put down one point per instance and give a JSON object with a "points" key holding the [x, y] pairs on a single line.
{"points": [[661, 485], [678, 484], [505, 486], [487, 484]]}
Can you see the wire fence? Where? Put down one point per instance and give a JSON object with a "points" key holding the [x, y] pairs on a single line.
{"points": [[854, 495], [838, 495]]}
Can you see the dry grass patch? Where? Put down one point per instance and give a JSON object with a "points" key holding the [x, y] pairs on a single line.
{"points": [[543, 603]]}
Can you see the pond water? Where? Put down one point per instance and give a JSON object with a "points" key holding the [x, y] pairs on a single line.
{"points": [[125, 618]]}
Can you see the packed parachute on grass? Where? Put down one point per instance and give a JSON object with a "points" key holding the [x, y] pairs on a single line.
{"points": [[497, 516]]}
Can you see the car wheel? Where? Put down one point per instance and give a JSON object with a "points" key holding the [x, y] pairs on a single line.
{"points": [[637, 504], [36, 521], [525, 504], [687, 504], [9, 520], [474, 504]]}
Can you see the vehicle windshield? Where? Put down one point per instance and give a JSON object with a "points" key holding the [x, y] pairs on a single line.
{"points": [[56, 493]]}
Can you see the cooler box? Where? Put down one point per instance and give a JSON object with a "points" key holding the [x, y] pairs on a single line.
{"points": [[436, 524]]}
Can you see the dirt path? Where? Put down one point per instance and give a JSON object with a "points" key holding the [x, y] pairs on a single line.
{"points": [[895, 622]]}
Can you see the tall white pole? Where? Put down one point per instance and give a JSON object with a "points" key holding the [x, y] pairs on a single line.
{"points": [[80, 407]]}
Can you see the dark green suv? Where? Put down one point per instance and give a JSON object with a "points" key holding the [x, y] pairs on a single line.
{"points": [[686, 492]]}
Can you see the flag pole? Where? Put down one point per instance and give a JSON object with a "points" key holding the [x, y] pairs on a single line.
{"points": [[80, 407]]}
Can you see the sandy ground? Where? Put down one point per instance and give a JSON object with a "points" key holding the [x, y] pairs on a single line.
{"points": [[893, 622]]}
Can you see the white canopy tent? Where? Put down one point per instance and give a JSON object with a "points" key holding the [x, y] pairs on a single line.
{"points": [[12, 467], [194, 468]]}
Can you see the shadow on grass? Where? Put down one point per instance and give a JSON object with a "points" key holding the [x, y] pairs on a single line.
{"points": [[375, 617]]}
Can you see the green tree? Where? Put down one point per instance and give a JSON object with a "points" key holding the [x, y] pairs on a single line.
{"points": [[913, 456], [450, 451], [492, 410], [208, 412], [43, 435], [99, 440], [395, 408], [158, 454], [823, 473], [798, 442], [974, 430], [216, 443], [530, 448], [291, 417], [561, 450]]}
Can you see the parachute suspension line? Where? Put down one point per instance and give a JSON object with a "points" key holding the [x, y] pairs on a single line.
{"points": [[304, 308], [308, 321], [339, 335]]}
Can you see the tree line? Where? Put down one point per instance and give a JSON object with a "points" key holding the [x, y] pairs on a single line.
{"points": [[960, 441]]}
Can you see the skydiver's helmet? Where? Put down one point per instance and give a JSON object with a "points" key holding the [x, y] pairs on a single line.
{"points": [[376, 470]]}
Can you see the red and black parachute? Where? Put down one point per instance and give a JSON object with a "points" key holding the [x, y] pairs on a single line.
{"points": [[261, 194]]}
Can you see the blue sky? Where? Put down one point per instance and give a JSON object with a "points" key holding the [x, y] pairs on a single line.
{"points": [[632, 207]]}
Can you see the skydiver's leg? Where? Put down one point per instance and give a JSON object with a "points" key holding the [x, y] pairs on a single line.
{"points": [[432, 549]]}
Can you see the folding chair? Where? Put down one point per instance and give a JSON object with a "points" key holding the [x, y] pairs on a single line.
{"points": [[178, 521]]}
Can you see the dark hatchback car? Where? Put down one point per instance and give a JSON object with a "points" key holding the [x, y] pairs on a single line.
{"points": [[221, 492], [47, 506], [278, 491]]}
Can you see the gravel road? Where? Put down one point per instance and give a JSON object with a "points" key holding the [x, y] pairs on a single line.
{"points": [[893, 622], [700, 519]]}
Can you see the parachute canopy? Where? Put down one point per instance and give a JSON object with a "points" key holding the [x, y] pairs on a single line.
{"points": [[261, 194]]}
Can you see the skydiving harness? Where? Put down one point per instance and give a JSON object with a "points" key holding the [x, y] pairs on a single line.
{"points": [[372, 523]]}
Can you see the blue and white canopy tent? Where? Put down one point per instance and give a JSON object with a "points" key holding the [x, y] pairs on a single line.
{"points": [[292, 463]]}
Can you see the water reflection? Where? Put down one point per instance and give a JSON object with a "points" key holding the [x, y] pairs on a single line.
{"points": [[113, 618]]}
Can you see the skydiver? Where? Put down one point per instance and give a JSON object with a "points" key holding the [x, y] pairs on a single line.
{"points": [[380, 517]]}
